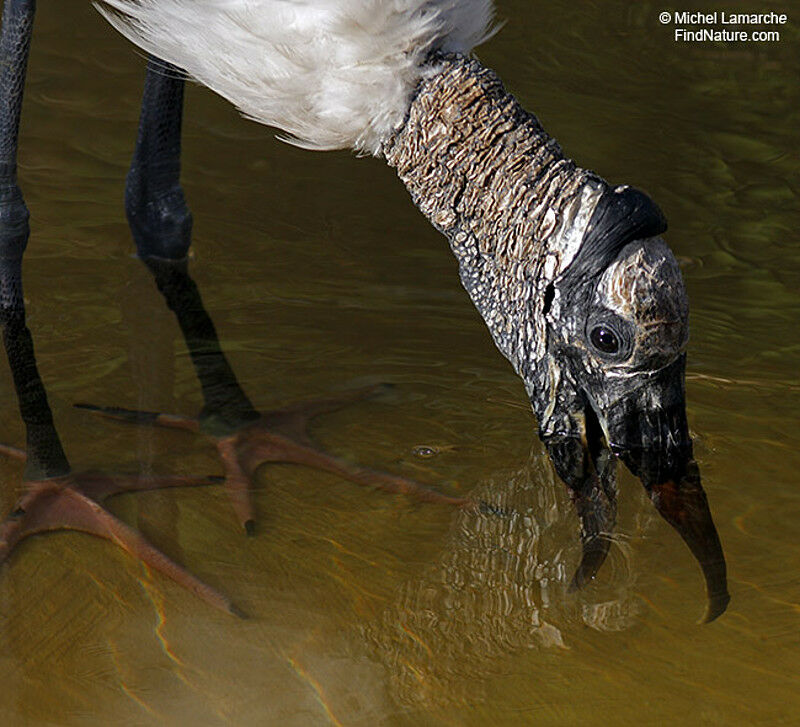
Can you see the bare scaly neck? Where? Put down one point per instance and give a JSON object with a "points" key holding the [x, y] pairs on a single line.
{"points": [[488, 176]]}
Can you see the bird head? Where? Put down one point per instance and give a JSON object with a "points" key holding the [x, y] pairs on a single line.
{"points": [[612, 380]]}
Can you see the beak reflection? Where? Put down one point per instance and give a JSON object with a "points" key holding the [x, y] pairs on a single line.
{"points": [[590, 474]]}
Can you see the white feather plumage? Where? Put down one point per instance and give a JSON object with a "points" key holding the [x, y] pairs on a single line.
{"points": [[331, 73]]}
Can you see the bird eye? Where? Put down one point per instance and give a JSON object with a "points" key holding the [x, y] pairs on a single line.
{"points": [[604, 339]]}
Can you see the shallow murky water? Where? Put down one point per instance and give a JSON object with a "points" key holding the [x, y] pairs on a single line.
{"points": [[367, 608]]}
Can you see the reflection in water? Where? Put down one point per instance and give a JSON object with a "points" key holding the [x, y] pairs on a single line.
{"points": [[582, 297], [590, 474], [501, 585]]}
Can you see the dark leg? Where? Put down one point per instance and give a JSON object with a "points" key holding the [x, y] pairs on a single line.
{"points": [[161, 225], [46, 457], [54, 499]]}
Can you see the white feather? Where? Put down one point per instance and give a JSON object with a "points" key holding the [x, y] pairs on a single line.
{"points": [[331, 73]]}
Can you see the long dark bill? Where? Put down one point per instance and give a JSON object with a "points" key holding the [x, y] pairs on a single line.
{"points": [[683, 504], [650, 434]]}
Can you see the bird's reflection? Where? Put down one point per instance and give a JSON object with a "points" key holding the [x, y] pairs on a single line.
{"points": [[501, 585]]}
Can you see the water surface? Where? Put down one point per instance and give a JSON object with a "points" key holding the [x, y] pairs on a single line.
{"points": [[366, 608]]}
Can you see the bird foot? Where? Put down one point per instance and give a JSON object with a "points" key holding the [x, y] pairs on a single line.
{"points": [[281, 436], [74, 502]]}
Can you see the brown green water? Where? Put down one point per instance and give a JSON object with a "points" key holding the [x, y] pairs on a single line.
{"points": [[368, 609]]}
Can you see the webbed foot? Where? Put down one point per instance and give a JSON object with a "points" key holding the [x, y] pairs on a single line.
{"points": [[281, 436], [75, 502]]}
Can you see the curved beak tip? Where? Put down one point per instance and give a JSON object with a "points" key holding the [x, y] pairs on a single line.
{"points": [[715, 606]]}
